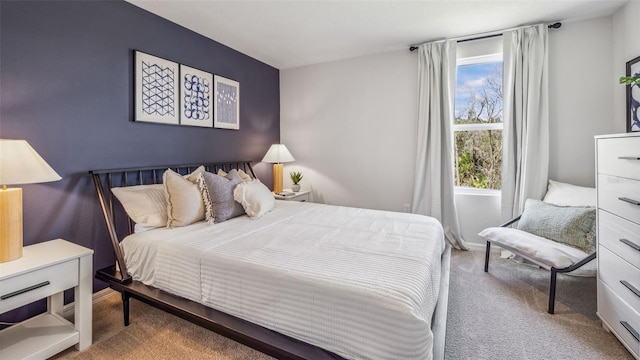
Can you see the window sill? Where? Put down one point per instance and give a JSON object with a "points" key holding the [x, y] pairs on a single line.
{"points": [[458, 190]]}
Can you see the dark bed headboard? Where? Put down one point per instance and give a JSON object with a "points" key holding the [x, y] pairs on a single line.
{"points": [[104, 180]]}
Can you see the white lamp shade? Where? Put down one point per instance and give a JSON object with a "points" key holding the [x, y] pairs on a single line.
{"points": [[278, 153], [20, 164]]}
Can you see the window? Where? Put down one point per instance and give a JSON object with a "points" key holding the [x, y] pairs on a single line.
{"points": [[477, 124]]}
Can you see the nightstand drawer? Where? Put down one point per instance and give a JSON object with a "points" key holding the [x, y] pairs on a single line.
{"points": [[619, 157], [619, 196], [620, 236], [620, 276], [29, 287], [622, 319]]}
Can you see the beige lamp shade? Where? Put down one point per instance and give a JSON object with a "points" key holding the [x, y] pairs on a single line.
{"points": [[277, 154], [19, 164]]}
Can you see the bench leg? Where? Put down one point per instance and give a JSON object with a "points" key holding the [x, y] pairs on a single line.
{"points": [[552, 291], [486, 257], [125, 307]]}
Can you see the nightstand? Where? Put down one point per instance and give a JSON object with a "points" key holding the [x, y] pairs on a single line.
{"points": [[301, 196], [44, 271]]}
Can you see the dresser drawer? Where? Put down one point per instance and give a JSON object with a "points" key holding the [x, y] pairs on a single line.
{"points": [[620, 236], [612, 189], [614, 311], [620, 276], [29, 287], [619, 157]]}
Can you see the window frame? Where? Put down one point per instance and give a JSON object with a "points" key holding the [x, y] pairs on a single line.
{"points": [[472, 60]]}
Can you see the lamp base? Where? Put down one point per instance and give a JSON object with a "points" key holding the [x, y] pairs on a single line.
{"points": [[277, 178], [10, 224]]}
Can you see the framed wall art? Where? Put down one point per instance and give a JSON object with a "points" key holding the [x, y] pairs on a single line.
{"points": [[227, 103], [633, 97], [196, 95], [156, 89]]}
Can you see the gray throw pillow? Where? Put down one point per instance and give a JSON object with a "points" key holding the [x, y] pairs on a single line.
{"points": [[219, 192], [570, 225]]}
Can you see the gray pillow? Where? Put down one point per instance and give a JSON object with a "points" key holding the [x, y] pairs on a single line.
{"points": [[570, 225], [218, 191]]}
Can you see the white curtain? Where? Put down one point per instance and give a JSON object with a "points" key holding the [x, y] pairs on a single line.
{"points": [[525, 160], [433, 189]]}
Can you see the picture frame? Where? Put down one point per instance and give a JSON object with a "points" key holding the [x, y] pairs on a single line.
{"points": [[633, 97], [196, 97], [226, 104], [156, 89]]}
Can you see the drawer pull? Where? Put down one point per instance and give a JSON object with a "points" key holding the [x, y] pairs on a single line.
{"points": [[630, 243], [22, 291], [630, 201], [628, 157], [630, 287], [631, 330]]}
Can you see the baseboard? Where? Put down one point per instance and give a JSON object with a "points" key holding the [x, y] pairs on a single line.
{"points": [[99, 296], [476, 247]]}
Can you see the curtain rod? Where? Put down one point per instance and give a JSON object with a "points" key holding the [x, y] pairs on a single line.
{"points": [[488, 35]]}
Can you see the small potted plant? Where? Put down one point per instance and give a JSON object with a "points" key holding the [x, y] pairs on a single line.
{"points": [[296, 176]]}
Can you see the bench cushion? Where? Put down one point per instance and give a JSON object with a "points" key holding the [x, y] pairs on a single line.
{"points": [[543, 252]]}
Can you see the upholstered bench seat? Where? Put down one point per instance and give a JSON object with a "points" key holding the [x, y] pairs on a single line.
{"points": [[538, 250]]}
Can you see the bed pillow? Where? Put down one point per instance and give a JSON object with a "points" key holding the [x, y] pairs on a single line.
{"points": [[570, 225], [193, 176], [145, 204], [218, 194], [255, 197], [184, 200], [564, 194], [243, 175]]}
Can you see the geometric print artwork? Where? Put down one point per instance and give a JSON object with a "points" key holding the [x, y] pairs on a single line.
{"points": [[196, 86], [633, 97], [156, 89], [227, 103]]}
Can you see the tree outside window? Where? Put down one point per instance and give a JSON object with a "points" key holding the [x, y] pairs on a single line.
{"points": [[477, 125]]}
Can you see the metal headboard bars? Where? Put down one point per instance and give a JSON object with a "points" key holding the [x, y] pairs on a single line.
{"points": [[143, 176]]}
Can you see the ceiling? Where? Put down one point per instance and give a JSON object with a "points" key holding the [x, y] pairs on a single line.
{"points": [[287, 34]]}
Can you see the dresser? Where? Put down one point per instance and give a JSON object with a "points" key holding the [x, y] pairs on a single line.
{"points": [[45, 270], [618, 186]]}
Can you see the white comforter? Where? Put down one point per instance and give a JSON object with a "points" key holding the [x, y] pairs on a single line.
{"points": [[360, 283]]}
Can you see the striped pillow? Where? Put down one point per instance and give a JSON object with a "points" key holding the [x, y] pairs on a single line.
{"points": [[145, 204]]}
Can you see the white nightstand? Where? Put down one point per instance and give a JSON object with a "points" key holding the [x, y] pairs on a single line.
{"points": [[301, 196], [44, 271]]}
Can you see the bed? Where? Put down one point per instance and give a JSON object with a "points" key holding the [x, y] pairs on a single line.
{"points": [[304, 281]]}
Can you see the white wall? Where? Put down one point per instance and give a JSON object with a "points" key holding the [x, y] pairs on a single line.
{"points": [[626, 46], [580, 97], [351, 123]]}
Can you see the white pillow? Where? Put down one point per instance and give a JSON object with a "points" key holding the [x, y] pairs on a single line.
{"points": [[564, 194], [255, 197], [184, 201], [145, 204]]}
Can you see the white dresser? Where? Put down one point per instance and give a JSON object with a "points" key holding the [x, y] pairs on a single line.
{"points": [[618, 184]]}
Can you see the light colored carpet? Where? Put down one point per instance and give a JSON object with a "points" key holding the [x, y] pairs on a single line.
{"points": [[499, 315], [502, 314]]}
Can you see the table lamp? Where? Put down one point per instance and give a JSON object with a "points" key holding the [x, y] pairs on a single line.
{"points": [[277, 154], [19, 164]]}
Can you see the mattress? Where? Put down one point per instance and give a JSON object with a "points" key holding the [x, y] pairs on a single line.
{"points": [[360, 283]]}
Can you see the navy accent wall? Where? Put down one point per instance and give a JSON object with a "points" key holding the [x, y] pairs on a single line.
{"points": [[66, 86]]}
